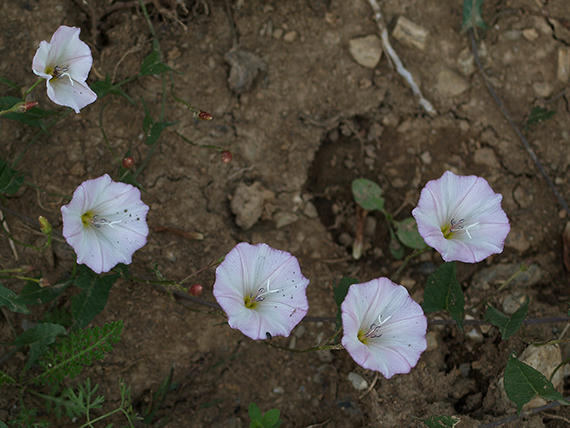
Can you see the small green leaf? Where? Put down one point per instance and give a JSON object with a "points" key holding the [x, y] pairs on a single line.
{"points": [[367, 194], [270, 418], [507, 326], [38, 338], [93, 297], [33, 294], [254, 412], [4, 378], [407, 231], [473, 15], [153, 65], [396, 248], [339, 292], [152, 129], [8, 298], [441, 421], [105, 87], [523, 383], [10, 179], [443, 292], [538, 115]]}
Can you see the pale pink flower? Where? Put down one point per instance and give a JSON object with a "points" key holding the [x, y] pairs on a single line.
{"points": [[461, 217], [261, 290], [105, 223], [65, 63], [384, 328]]}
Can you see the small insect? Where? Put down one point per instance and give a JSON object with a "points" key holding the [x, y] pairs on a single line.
{"points": [[269, 337]]}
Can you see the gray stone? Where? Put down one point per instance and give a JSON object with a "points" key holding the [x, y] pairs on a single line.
{"points": [[357, 381], [450, 84], [366, 51], [248, 203], [497, 274]]}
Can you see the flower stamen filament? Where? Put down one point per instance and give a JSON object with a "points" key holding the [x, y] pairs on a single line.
{"points": [[252, 300], [374, 330], [89, 219], [60, 72], [455, 226]]}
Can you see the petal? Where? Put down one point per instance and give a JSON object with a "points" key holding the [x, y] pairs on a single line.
{"points": [[68, 51], [402, 334], [248, 268], [64, 93], [39, 63], [125, 229]]}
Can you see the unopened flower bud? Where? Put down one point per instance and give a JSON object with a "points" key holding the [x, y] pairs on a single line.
{"points": [[45, 226], [128, 162], [196, 289], [27, 269], [227, 156], [204, 116], [25, 106], [44, 282]]}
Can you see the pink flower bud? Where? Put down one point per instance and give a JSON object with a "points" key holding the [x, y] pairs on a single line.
{"points": [[204, 116], [44, 282], [227, 156], [25, 106], [128, 163], [196, 289]]}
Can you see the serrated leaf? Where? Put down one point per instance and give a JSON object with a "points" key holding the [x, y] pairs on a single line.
{"points": [[523, 383], [443, 292], [38, 338], [507, 326], [538, 115], [93, 297], [8, 297], [473, 15], [441, 421], [407, 232], [33, 294], [153, 65], [367, 194], [254, 412]]}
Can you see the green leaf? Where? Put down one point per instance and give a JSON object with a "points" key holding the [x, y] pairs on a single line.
{"points": [[443, 292], [254, 412], [473, 15], [441, 421], [33, 294], [8, 299], [93, 297], [367, 194], [105, 87], [395, 246], [10, 179], [38, 338], [79, 348], [12, 85], [152, 129], [270, 418], [523, 383], [538, 115], [407, 232], [3, 425], [339, 292], [4, 378], [153, 65], [507, 326]]}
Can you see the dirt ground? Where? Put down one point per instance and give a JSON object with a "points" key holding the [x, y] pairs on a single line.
{"points": [[311, 121]]}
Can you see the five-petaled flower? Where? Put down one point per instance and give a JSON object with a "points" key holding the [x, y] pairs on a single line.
{"points": [[461, 217], [261, 290], [384, 328], [105, 223], [65, 63]]}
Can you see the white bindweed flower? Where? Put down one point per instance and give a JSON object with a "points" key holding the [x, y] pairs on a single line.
{"points": [[384, 328], [461, 217], [261, 290], [105, 223], [65, 63]]}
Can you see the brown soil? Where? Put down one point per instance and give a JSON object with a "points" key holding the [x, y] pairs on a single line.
{"points": [[311, 122]]}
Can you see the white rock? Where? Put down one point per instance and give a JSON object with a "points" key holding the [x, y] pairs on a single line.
{"points": [[357, 381], [450, 84], [366, 51]]}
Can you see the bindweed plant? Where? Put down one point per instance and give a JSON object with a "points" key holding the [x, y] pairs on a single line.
{"points": [[261, 290]]}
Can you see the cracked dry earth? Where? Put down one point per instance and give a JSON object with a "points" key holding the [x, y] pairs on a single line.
{"points": [[310, 121]]}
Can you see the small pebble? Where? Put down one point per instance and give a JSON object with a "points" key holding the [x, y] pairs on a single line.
{"points": [[279, 390], [357, 381], [431, 339], [290, 37]]}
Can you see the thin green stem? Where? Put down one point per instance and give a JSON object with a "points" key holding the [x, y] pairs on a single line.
{"points": [[39, 249], [522, 269], [206, 146], [407, 259], [105, 135], [31, 88]]}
